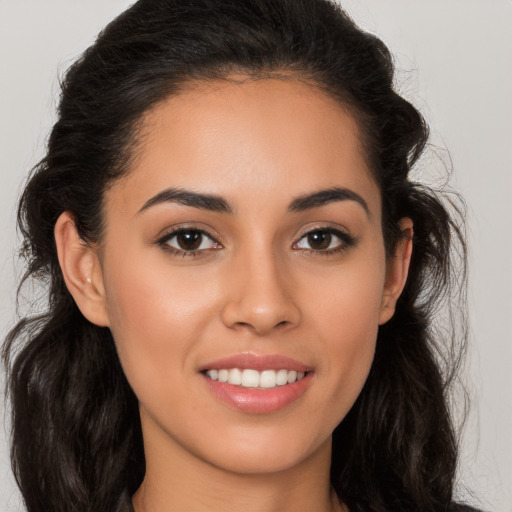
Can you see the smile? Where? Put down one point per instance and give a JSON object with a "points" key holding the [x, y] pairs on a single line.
{"points": [[251, 378]]}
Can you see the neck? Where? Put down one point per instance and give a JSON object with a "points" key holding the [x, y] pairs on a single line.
{"points": [[177, 480]]}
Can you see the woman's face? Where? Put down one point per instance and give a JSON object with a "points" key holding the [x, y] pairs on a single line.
{"points": [[247, 236]]}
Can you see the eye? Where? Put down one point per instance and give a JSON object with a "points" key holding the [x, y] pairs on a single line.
{"points": [[189, 240], [325, 240]]}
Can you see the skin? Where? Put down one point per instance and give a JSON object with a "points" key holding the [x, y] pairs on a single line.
{"points": [[259, 288]]}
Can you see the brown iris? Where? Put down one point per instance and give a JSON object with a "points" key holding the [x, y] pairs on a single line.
{"points": [[319, 240], [189, 240]]}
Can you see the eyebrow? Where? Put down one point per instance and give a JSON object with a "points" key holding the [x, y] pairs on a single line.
{"points": [[217, 203], [210, 202], [326, 196]]}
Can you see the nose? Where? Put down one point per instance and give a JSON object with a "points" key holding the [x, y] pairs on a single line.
{"points": [[260, 296]]}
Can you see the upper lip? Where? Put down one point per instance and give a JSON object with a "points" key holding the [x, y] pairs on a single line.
{"points": [[256, 362]]}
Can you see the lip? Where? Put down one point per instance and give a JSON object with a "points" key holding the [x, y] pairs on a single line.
{"points": [[256, 362], [257, 400]]}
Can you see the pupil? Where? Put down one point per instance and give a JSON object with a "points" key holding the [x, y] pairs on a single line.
{"points": [[319, 240], [189, 240]]}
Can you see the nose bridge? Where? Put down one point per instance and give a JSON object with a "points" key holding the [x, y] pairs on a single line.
{"points": [[260, 294]]}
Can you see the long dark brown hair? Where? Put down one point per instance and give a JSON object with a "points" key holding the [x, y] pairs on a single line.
{"points": [[76, 438]]}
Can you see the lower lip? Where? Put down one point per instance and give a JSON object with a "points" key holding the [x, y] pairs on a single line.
{"points": [[259, 401]]}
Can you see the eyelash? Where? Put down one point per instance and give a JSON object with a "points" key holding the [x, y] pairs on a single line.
{"points": [[346, 241], [163, 242]]}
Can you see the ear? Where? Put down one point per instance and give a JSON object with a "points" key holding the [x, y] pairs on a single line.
{"points": [[397, 271], [81, 270]]}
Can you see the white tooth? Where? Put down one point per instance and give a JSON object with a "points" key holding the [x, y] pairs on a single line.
{"points": [[292, 376], [300, 375], [282, 377], [235, 377], [268, 379], [250, 378], [213, 374], [223, 375]]}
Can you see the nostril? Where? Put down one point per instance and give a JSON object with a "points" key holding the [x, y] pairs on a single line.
{"points": [[243, 325]]}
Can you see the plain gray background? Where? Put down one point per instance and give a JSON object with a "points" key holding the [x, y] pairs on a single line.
{"points": [[456, 62]]}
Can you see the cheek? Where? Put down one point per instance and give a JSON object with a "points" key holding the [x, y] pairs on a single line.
{"points": [[346, 317], [157, 318], [347, 302]]}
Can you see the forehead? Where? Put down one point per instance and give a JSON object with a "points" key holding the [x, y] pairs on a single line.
{"points": [[265, 137]]}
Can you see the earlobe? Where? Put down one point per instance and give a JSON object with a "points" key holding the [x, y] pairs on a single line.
{"points": [[81, 270], [397, 271]]}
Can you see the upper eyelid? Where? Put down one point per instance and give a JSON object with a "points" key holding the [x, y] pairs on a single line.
{"points": [[321, 227], [169, 233]]}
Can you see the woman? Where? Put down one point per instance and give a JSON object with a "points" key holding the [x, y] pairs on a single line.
{"points": [[241, 274]]}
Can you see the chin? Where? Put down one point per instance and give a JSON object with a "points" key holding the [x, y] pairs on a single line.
{"points": [[268, 454]]}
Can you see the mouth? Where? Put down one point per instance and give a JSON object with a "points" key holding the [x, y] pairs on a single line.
{"points": [[257, 384], [254, 379]]}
